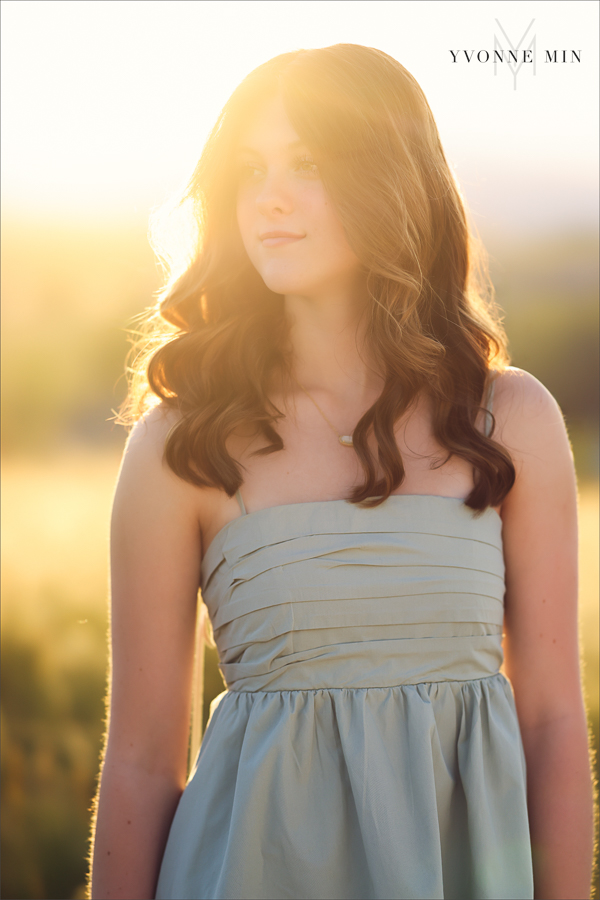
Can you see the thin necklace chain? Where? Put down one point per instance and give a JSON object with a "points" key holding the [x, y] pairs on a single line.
{"points": [[344, 439]]}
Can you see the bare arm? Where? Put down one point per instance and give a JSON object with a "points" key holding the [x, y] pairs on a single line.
{"points": [[541, 635], [155, 571]]}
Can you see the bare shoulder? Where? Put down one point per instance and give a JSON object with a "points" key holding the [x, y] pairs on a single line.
{"points": [[146, 442], [530, 425], [528, 418], [149, 434], [519, 394], [145, 479]]}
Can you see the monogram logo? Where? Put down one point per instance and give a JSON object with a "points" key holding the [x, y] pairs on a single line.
{"points": [[512, 54]]}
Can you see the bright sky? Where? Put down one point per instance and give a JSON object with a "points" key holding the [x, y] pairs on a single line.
{"points": [[106, 103]]}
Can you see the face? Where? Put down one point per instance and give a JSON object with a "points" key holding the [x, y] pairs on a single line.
{"points": [[286, 220]]}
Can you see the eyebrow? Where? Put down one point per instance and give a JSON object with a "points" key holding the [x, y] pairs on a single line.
{"points": [[293, 146]]}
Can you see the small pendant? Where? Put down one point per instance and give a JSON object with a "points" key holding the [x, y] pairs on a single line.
{"points": [[346, 440]]}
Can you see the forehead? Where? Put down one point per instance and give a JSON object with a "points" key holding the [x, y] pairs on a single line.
{"points": [[270, 130]]}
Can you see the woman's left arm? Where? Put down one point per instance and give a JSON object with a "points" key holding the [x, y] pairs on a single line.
{"points": [[541, 643]]}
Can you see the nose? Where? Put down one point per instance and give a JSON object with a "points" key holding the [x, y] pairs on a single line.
{"points": [[274, 196]]}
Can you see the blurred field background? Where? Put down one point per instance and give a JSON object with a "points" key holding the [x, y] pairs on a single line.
{"points": [[64, 322], [77, 266]]}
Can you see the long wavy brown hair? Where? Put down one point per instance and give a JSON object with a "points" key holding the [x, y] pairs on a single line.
{"points": [[218, 334]]}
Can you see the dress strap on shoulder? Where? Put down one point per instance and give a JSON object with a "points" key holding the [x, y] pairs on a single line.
{"points": [[489, 403], [238, 497]]}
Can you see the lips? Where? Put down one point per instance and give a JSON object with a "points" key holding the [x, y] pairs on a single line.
{"points": [[279, 238]]}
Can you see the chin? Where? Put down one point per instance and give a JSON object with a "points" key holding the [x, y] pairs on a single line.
{"points": [[282, 281]]}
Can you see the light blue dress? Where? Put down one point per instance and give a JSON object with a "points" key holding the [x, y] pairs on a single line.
{"points": [[367, 745]]}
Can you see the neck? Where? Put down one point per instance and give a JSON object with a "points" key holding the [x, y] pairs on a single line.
{"points": [[328, 345]]}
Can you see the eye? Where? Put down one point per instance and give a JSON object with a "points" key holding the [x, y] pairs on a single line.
{"points": [[306, 165], [248, 171]]}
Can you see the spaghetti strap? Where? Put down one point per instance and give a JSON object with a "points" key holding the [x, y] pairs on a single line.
{"points": [[489, 407], [238, 497]]}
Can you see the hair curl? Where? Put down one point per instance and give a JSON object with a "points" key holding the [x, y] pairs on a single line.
{"points": [[218, 334]]}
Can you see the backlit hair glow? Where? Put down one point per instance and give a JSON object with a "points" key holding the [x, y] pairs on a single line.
{"points": [[218, 334]]}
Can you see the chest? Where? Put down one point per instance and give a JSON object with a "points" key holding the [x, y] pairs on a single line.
{"points": [[315, 465]]}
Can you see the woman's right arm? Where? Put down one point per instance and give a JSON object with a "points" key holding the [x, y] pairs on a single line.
{"points": [[155, 574]]}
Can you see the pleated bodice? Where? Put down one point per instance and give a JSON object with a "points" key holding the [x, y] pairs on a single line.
{"points": [[329, 594]]}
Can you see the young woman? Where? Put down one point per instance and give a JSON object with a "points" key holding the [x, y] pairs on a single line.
{"points": [[325, 463]]}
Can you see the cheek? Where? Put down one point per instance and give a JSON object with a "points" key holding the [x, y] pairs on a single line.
{"points": [[325, 221], [333, 237], [244, 221]]}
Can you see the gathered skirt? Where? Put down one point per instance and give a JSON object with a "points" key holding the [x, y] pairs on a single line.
{"points": [[415, 791]]}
